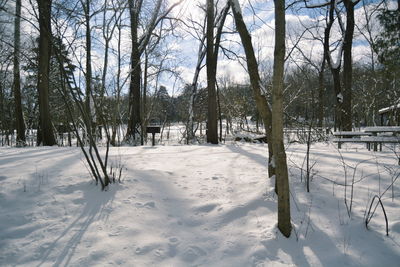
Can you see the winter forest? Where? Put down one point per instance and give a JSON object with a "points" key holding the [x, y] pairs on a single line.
{"points": [[199, 133]]}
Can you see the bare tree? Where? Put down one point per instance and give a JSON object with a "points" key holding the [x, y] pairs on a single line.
{"points": [[211, 62], [19, 118], [343, 93], [134, 122], [200, 57], [139, 44], [118, 87], [88, 74], [110, 24], [219, 22], [281, 171], [45, 133], [348, 65]]}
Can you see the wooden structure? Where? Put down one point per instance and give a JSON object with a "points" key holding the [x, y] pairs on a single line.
{"points": [[370, 135], [153, 130], [381, 135], [348, 137]]}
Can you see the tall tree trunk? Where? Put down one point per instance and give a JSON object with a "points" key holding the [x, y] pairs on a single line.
{"points": [[348, 66], [193, 91], [116, 114], [2, 114], [46, 130], [134, 122], [211, 62], [19, 118], [321, 86], [88, 74], [219, 112], [219, 21], [255, 80], [334, 67], [144, 97], [337, 87], [284, 223]]}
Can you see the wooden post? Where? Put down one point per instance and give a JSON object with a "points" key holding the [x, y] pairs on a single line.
{"points": [[153, 142]]}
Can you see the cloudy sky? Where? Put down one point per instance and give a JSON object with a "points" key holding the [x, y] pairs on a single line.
{"points": [[179, 51], [259, 17]]}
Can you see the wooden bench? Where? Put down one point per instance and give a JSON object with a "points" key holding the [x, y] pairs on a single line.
{"points": [[382, 132], [375, 140], [363, 137], [348, 137]]}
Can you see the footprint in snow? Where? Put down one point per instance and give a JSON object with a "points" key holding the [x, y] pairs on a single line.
{"points": [[149, 205], [173, 243], [117, 231], [173, 240], [192, 253], [144, 250]]}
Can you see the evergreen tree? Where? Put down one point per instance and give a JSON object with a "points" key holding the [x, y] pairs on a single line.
{"points": [[387, 43]]}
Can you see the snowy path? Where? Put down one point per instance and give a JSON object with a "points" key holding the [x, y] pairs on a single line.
{"points": [[184, 206]]}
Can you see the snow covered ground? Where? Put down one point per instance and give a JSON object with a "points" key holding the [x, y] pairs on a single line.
{"points": [[195, 206]]}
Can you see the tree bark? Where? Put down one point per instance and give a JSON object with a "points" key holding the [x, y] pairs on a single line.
{"points": [[348, 66], [46, 134], [116, 114], [255, 80], [88, 74], [19, 117], [138, 47], [211, 62], [3, 109], [219, 113], [281, 171], [343, 93], [334, 67], [134, 121], [144, 97], [321, 87]]}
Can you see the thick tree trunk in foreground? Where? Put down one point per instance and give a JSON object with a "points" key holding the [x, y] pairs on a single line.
{"points": [[211, 62], [281, 171], [255, 80], [348, 66], [19, 117], [46, 130]]}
